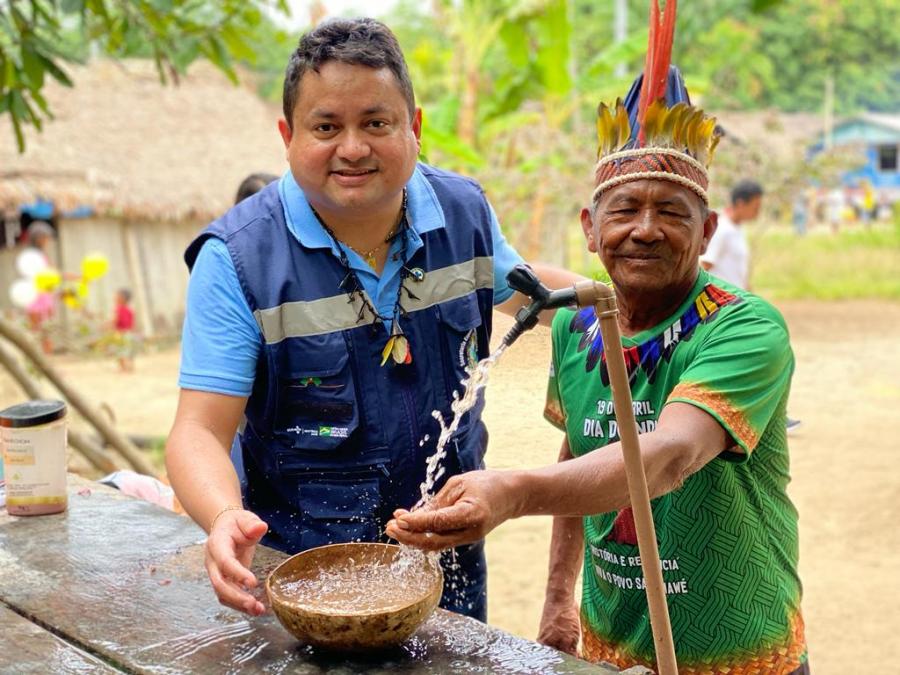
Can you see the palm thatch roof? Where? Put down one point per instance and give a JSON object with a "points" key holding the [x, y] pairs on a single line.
{"points": [[128, 146]]}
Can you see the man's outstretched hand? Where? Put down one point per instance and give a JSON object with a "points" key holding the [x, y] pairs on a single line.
{"points": [[229, 552], [464, 511]]}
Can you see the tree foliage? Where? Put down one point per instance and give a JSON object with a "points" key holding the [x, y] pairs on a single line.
{"points": [[854, 41], [39, 37]]}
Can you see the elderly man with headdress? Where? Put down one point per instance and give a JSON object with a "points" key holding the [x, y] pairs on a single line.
{"points": [[710, 373]]}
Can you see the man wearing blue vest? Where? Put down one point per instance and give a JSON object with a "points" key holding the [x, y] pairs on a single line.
{"points": [[332, 312]]}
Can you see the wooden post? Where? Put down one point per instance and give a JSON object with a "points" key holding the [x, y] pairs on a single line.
{"points": [[136, 276], [607, 310], [112, 435]]}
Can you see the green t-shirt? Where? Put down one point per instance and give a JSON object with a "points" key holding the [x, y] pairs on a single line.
{"points": [[727, 536]]}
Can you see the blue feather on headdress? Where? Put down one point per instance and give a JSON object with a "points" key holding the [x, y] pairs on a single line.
{"points": [[676, 92]]}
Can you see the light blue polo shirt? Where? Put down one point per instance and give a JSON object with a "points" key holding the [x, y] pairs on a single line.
{"points": [[221, 339]]}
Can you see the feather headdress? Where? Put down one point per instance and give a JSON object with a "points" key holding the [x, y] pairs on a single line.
{"points": [[655, 132]]}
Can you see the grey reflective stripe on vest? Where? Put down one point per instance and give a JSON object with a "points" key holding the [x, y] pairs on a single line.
{"points": [[327, 315]]}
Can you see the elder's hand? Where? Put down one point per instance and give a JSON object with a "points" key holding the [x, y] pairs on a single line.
{"points": [[464, 511], [560, 625], [229, 552]]}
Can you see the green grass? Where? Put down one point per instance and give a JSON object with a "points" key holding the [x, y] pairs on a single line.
{"points": [[850, 265], [853, 264]]}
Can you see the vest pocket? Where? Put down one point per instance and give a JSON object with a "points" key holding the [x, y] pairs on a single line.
{"points": [[338, 506], [316, 407], [460, 320]]}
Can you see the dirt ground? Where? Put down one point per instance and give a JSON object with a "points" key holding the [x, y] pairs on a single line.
{"points": [[846, 485]]}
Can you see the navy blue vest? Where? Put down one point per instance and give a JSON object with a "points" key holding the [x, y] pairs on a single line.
{"points": [[333, 441]]}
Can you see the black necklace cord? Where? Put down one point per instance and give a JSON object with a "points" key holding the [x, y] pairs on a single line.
{"points": [[353, 287]]}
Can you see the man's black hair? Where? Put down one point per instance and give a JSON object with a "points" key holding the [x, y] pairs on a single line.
{"points": [[361, 42], [253, 184], [745, 190]]}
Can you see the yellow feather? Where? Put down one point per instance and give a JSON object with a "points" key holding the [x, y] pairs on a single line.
{"points": [[604, 129], [712, 148], [701, 136], [611, 132], [688, 127], [678, 129], [693, 132], [622, 124], [676, 113], [599, 132], [387, 350], [706, 132], [653, 117]]}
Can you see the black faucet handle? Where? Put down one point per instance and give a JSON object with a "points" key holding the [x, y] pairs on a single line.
{"points": [[522, 278]]}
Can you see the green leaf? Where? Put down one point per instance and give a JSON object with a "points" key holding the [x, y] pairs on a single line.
{"points": [[759, 6], [450, 144], [17, 105], [215, 51], [17, 130], [554, 30], [237, 45], [32, 66], [55, 71], [515, 42], [41, 102]]}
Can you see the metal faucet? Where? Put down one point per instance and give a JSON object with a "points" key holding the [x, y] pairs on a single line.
{"points": [[523, 279]]}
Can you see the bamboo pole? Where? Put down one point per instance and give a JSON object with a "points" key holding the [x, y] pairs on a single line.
{"points": [[112, 435], [90, 450], [607, 311]]}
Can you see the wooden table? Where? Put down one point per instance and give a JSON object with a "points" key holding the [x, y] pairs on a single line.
{"points": [[118, 585]]}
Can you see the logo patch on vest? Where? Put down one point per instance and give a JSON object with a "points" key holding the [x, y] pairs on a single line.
{"points": [[468, 350], [330, 432], [334, 432]]}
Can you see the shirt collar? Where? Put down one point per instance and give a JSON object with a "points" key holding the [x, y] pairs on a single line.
{"points": [[423, 209]]}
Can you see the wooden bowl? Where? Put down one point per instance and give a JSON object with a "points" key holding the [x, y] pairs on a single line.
{"points": [[336, 610]]}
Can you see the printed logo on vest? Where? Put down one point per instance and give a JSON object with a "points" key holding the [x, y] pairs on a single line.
{"points": [[468, 350], [334, 432], [329, 432]]}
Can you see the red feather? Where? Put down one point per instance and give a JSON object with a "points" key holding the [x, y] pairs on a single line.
{"points": [[659, 56]]}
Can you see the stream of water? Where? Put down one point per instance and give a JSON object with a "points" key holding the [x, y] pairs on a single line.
{"points": [[472, 385]]}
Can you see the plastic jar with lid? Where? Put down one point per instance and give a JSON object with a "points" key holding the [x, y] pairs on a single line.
{"points": [[33, 438]]}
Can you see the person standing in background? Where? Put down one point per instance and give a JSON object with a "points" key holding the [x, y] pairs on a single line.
{"points": [[123, 323], [728, 255], [253, 184]]}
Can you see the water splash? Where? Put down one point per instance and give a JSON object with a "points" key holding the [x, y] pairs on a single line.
{"points": [[472, 385]]}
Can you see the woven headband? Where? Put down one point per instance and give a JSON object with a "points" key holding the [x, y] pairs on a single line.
{"points": [[650, 163]]}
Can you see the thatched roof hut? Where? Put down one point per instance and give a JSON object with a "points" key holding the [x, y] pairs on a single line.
{"points": [[132, 148], [154, 162]]}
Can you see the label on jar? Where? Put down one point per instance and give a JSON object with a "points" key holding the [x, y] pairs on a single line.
{"points": [[35, 459]]}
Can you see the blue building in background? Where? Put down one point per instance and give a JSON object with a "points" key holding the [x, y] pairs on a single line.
{"points": [[878, 137]]}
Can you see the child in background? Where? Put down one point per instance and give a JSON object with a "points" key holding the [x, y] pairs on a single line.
{"points": [[124, 327]]}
